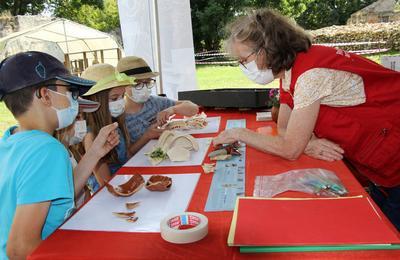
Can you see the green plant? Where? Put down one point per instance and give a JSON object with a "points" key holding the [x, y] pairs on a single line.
{"points": [[274, 97]]}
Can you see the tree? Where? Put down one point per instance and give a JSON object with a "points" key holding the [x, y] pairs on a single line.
{"points": [[323, 13], [291, 8], [98, 14], [209, 18], [21, 7], [69, 8]]}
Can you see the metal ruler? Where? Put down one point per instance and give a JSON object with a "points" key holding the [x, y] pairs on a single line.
{"points": [[229, 178]]}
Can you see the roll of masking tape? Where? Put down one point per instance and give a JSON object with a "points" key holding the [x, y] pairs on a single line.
{"points": [[184, 228]]}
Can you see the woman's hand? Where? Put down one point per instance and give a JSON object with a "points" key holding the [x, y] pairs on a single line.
{"points": [[227, 137], [163, 116], [106, 140], [323, 149]]}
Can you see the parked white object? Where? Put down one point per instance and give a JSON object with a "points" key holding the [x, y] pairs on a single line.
{"points": [[391, 62]]}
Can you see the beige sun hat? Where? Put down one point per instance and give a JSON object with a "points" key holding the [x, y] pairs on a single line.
{"points": [[135, 67], [106, 77]]}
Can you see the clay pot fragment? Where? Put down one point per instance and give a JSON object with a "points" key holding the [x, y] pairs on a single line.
{"points": [[132, 205], [174, 146], [127, 189], [158, 183], [195, 122], [225, 152]]}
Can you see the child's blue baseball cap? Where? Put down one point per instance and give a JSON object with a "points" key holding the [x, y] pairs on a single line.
{"points": [[32, 68]]}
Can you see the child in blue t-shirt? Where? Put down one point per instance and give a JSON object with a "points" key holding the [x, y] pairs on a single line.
{"points": [[37, 187]]}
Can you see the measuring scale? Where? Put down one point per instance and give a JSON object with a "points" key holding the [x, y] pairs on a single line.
{"points": [[229, 178]]}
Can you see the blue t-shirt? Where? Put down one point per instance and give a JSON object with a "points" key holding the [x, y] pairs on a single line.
{"points": [[34, 167], [137, 123]]}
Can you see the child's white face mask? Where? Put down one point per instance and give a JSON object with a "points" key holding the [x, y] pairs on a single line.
{"points": [[140, 95], [66, 116], [117, 107], [258, 76], [80, 129]]}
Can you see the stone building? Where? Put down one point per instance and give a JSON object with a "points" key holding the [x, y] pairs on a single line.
{"points": [[11, 24], [381, 11]]}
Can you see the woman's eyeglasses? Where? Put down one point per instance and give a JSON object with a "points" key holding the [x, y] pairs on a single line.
{"points": [[243, 62]]}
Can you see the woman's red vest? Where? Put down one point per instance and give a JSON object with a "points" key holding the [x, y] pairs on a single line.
{"points": [[369, 133]]}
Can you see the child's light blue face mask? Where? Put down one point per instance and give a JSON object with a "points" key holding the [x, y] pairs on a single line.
{"points": [[66, 116]]}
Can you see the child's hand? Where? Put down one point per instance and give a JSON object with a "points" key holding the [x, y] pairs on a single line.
{"points": [[163, 116], [153, 132], [106, 140]]}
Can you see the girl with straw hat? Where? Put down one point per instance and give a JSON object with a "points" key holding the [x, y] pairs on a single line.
{"points": [[109, 92], [145, 112]]}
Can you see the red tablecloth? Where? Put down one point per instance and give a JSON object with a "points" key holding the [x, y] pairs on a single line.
{"points": [[67, 244]]}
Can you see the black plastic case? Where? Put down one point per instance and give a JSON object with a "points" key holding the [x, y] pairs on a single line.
{"points": [[228, 98]]}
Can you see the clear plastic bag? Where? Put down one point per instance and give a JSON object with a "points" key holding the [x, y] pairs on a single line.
{"points": [[316, 181]]}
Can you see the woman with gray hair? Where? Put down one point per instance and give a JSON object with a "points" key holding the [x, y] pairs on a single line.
{"points": [[333, 103]]}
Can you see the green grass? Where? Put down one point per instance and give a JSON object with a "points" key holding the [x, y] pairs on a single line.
{"points": [[6, 118], [208, 77], [216, 77], [377, 57]]}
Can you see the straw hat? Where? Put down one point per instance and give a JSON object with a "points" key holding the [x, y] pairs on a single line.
{"points": [[106, 78], [135, 67]]}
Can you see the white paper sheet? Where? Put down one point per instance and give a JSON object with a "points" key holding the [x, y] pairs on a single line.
{"points": [[97, 215], [196, 158], [212, 126]]}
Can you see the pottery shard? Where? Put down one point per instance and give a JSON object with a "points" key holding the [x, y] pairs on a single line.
{"points": [[159, 183], [178, 154], [185, 141], [128, 188], [165, 139]]}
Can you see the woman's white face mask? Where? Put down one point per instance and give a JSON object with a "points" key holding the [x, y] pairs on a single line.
{"points": [[258, 76]]}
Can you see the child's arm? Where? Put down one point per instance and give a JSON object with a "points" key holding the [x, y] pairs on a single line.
{"points": [[102, 173], [106, 140], [186, 108], [26, 229], [183, 108], [101, 170]]}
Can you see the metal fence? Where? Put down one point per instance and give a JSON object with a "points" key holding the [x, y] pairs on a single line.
{"points": [[215, 57]]}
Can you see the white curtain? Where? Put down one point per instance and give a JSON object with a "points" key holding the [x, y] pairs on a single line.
{"points": [[171, 52]]}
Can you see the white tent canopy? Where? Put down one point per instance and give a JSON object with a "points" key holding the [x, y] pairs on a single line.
{"points": [[60, 37]]}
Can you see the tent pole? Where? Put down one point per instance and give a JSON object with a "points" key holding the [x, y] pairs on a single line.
{"points": [[158, 52], [102, 56], [65, 36], [67, 62], [66, 43], [119, 54], [85, 61]]}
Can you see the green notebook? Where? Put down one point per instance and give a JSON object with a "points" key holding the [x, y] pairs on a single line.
{"points": [[277, 249]]}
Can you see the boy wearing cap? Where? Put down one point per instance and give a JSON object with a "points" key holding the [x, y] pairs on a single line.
{"points": [[36, 182], [145, 112]]}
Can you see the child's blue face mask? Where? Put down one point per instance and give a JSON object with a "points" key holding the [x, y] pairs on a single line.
{"points": [[66, 116]]}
